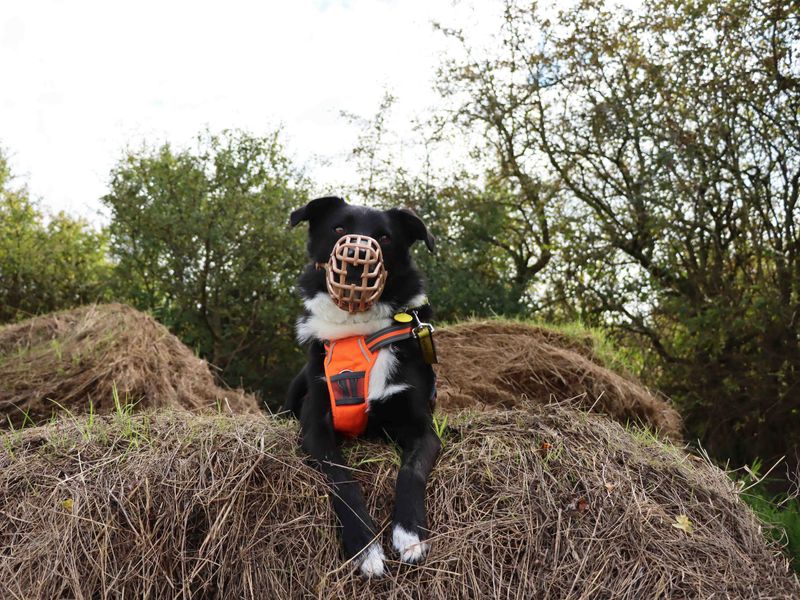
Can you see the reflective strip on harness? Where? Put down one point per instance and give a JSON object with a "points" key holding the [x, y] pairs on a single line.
{"points": [[348, 363], [389, 335]]}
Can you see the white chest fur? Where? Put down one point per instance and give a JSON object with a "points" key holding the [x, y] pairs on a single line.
{"points": [[381, 376], [326, 321]]}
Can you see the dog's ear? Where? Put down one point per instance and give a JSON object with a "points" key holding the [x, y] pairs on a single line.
{"points": [[413, 226], [314, 209]]}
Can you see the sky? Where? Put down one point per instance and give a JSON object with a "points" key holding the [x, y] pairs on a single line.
{"points": [[82, 80]]}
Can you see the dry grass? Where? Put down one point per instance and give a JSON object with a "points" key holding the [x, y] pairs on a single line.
{"points": [[536, 501], [501, 364], [542, 503], [73, 359], [70, 360]]}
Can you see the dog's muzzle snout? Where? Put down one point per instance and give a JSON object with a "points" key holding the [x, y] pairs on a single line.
{"points": [[355, 274]]}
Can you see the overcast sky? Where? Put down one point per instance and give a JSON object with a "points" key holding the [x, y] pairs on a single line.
{"points": [[83, 79]]}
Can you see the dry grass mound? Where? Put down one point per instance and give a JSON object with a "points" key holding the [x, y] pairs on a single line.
{"points": [[501, 364], [546, 503], [69, 359]]}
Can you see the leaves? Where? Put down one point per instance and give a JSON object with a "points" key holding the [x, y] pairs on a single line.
{"points": [[47, 262], [578, 506], [201, 240], [678, 175], [683, 523]]}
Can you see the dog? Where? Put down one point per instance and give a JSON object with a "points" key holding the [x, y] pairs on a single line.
{"points": [[372, 315]]}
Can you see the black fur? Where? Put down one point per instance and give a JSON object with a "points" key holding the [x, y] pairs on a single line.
{"points": [[406, 416]]}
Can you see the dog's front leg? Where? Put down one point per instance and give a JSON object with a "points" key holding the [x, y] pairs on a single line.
{"points": [[420, 447], [319, 440]]}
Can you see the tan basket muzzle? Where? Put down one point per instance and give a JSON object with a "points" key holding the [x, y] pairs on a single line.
{"points": [[354, 274]]}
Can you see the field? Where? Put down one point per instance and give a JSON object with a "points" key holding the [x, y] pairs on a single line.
{"points": [[545, 497]]}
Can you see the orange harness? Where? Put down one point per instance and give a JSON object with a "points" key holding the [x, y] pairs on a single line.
{"points": [[348, 363]]}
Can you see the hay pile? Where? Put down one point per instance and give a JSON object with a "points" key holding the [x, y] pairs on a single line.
{"points": [[69, 359], [500, 364], [546, 503]]}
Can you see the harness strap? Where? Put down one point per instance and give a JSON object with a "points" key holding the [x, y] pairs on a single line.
{"points": [[349, 361], [389, 335]]}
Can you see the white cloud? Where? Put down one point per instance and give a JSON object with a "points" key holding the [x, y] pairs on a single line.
{"points": [[83, 79]]}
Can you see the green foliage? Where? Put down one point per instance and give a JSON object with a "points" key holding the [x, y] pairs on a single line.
{"points": [[476, 269], [678, 165], [781, 513], [47, 263], [783, 517], [201, 239], [486, 257]]}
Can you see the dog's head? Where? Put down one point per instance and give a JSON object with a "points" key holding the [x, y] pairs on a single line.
{"points": [[392, 232]]}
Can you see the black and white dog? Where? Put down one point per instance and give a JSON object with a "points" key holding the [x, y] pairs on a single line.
{"points": [[401, 383]]}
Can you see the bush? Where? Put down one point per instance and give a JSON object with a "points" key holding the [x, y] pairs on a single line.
{"points": [[202, 242], [47, 263]]}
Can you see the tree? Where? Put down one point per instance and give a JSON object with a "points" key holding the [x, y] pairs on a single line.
{"points": [[485, 263], [47, 263], [486, 259], [674, 132], [202, 241]]}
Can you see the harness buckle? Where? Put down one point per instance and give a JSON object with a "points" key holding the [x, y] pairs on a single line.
{"points": [[420, 325], [423, 333]]}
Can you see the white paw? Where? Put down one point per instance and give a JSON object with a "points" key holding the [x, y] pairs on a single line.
{"points": [[372, 561], [408, 545]]}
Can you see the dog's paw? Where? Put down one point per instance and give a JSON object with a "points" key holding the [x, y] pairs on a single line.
{"points": [[408, 545], [372, 561]]}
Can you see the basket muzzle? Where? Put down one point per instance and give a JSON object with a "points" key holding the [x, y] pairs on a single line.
{"points": [[354, 274]]}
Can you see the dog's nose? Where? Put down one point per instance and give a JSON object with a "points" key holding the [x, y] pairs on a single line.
{"points": [[354, 273], [351, 253]]}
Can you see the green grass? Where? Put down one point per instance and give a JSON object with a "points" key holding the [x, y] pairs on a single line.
{"points": [[783, 519], [440, 427], [134, 430], [780, 513]]}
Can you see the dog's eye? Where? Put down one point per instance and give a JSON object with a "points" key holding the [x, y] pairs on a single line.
{"points": [[385, 239], [339, 230]]}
